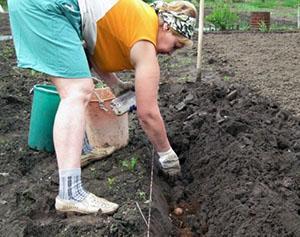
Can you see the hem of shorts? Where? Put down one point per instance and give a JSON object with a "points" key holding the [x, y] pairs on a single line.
{"points": [[55, 74]]}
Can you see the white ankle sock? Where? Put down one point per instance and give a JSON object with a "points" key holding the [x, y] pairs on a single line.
{"points": [[70, 187]]}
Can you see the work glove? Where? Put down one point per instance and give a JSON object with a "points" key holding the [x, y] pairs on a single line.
{"points": [[121, 87], [169, 164]]}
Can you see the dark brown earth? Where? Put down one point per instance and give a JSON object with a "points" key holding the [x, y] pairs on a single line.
{"points": [[236, 132]]}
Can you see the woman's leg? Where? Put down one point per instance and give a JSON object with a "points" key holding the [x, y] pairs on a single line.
{"points": [[69, 125], [68, 133], [47, 39]]}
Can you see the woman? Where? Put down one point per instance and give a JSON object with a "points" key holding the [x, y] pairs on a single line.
{"points": [[119, 35]]}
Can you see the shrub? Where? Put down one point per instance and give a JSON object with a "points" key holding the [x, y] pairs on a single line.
{"points": [[3, 3], [222, 17], [262, 27]]}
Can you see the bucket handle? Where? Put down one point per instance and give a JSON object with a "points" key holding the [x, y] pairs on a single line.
{"points": [[32, 88], [100, 101]]}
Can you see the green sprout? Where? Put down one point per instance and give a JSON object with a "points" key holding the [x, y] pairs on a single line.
{"points": [[131, 164], [111, 181], [93, 172], [142, 195], [226, 78]]}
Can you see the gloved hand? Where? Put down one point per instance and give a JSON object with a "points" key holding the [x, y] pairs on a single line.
{"points": [[169, 163], [121, 87]]}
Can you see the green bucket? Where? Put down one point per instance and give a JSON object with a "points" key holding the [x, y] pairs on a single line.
{"points": [[44, 106]]}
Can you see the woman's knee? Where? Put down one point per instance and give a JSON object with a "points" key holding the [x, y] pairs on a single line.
{"points": [[80, 90]]}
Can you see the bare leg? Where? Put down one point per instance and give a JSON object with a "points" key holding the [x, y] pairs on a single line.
{"points": [[68, 134], [69, 122]]}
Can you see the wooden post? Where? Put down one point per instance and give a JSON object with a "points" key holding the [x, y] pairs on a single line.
{"points": [[1, 9], [298, 18], [200, 36]]}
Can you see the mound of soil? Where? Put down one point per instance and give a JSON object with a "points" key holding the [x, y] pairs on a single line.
{"points": [[239, 150], [241, 160]]}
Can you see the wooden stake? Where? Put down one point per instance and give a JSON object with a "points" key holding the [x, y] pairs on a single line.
{"points": [[200, 36], [1, 9], [298, 18]]}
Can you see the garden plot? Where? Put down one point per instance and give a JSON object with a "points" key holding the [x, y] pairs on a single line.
{"points": [[236, 132]]}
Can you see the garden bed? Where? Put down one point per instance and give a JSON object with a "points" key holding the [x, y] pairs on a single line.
{"points": [[236, 131]]}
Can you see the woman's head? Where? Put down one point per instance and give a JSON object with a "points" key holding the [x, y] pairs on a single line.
{"points": [[177, 21]]}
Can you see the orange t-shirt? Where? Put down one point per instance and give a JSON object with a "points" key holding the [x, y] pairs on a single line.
{"points": [[127, 22]]}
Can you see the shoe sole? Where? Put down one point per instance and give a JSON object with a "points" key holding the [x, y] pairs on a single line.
{"points": [[72, 212], [93, 157], [68, 214]]}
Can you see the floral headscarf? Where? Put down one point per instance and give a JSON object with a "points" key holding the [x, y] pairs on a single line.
{"points": [[181, 23]]}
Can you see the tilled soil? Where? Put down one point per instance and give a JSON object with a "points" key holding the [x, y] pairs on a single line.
{"points": [[236, 132], [268, 63], [241, 158]]}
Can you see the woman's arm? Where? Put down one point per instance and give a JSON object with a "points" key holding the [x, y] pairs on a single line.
{"points": [[117, 86], [110, 79], [147, 73]]}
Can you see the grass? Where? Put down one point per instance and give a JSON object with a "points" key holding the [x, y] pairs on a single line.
{"points": [[279, 9], [291, 3], [280, 27], [288, 10], [244, 26], [3, 3], [257, 5]]}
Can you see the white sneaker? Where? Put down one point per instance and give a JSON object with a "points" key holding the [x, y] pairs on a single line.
{"points": [[91, 204]]}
